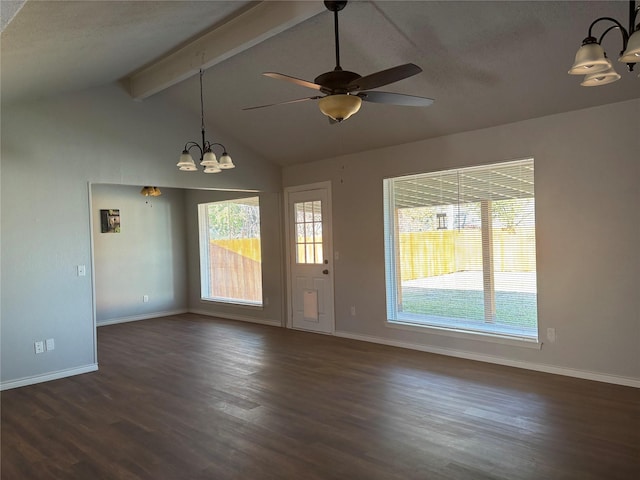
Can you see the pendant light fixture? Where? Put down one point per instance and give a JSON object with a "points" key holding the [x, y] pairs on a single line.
{"points": [[208, 159], [150, 192], [591, 59]]}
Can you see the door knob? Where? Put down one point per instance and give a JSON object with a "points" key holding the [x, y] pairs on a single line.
{"points": [[326, 272]]}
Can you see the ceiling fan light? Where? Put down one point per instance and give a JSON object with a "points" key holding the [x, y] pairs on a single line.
{"points": [[209, 159], [225, 162], [590, 58], [601, 78], [339, 107], [186, 163], [632, 53]]}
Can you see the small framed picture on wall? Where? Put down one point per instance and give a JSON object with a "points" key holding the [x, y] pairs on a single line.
{"points": [[110, 220]]}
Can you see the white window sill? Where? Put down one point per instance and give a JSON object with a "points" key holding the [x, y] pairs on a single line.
{"points": [[232, 303], [465, 334]]}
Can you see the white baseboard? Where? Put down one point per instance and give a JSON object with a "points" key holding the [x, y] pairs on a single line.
{"points": [[135, 318], [23, 382], [569, 372], [241, 318]]}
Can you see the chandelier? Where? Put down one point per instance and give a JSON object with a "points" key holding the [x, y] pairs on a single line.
{"points": [[208, 159], [591, 59]]}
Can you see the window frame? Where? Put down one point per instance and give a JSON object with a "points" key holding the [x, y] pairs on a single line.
{"points": [[204, 257], [431, 323]]}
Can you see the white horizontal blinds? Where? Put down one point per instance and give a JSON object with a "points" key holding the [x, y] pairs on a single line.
{"points": [[514, 249], [465, 248], [439, 264], [308, 225]]}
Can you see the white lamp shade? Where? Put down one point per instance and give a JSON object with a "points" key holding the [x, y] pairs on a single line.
{"points": [[590, 58], [212, 169], [339, 107], [209, 159], [225, 162], [186, 163], [601, 78], [632, 53]]}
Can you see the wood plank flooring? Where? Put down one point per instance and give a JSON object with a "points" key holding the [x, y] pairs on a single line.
{"points": [[190, 397]]}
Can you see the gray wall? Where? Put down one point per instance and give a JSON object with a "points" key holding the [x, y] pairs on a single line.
{"points": [[51, 151], [272, 259], [588, 221], [588, 234], [147, 257]]}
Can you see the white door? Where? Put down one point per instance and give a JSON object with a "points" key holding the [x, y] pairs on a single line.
{"points": [[310, 273]]}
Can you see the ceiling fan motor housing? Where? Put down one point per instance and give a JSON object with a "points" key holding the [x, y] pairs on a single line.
{"points": [[337, 81]]}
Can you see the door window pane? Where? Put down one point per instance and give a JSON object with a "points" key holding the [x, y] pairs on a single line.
{"points": [[308, 227]]}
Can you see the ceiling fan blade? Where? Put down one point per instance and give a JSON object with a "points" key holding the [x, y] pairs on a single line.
{"points": [[395, 99], [384, 77], [297, 81], [284, 103]]}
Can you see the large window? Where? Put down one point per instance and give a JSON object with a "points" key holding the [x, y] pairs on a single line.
{"points": [[230, 254], [461, 251]]}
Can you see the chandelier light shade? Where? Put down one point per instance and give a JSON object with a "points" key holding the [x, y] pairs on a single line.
{"points": [[339, 107], [208, 159], [632, 53], [591, 59], [602, 77]]}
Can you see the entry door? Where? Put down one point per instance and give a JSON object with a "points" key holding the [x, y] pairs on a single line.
{"points": [[310, 259]]}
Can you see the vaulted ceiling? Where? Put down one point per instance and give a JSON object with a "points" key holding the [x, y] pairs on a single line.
{"points": [[484, 63]]}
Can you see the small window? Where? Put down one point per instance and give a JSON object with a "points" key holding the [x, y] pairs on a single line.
{"points": [[476, 273], [230, 252], [308, 228]]}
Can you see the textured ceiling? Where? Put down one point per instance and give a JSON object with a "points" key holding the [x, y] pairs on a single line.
{"points": [[485, 64]]}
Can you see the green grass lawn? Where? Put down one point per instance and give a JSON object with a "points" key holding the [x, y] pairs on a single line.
{"points": [[515, 309]]}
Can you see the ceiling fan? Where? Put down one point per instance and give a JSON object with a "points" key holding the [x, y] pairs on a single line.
{"points": [[344, 91]]}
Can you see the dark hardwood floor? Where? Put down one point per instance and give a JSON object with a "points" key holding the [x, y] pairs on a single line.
{"points": [[189, 397]]}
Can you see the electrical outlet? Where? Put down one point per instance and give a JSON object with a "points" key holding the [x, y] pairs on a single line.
{"points": [[51, 344], [82, 270], [551, 334], [39, 346], [353, 311], [266, 301], [145, 298]]}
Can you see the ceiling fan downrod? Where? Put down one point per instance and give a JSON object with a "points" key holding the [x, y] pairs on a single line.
{"points": [[335, 7]]}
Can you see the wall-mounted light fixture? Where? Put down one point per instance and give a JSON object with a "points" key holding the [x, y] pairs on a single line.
{"points": [[591, 59], [207, 158], [150, 192]]}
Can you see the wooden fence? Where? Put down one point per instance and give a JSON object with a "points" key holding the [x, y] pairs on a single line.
{"points": [[231, 256], [428, 254], [422, 254]]}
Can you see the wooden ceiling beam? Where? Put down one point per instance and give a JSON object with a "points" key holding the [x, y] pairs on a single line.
{"points": [[242, 32]]}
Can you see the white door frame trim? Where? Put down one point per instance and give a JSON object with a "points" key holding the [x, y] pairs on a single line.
{"points": [[289, 254]]}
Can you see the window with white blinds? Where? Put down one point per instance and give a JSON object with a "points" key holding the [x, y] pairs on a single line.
{"points": [[460, 250]]}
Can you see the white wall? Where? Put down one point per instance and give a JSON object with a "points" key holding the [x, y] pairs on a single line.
{"points": [[587, 168], [51, 151], [273, 293], [147, 257]]}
